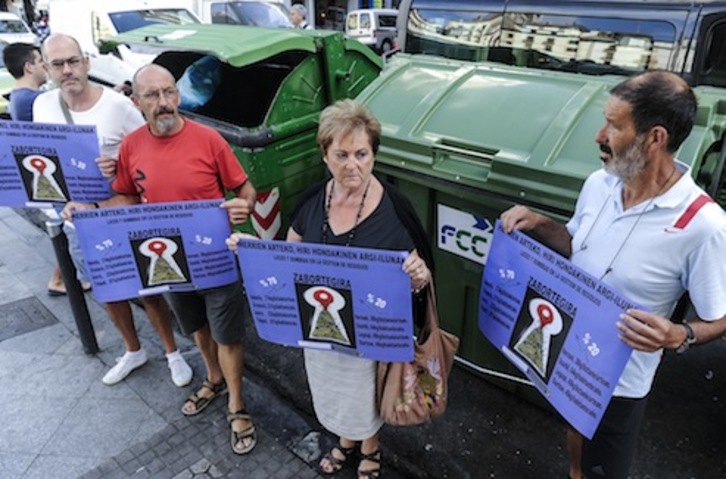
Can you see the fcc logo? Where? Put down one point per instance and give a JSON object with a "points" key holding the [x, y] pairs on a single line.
{"points": [[464, 234]]}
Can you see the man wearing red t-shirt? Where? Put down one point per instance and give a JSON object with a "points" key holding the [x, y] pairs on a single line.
{"points": [[172, 158]]}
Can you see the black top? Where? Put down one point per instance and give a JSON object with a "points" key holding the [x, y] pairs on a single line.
{"points": [[380, 230], [394, 225]]}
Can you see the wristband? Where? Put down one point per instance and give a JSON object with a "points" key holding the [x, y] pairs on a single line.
{"points": [[690, 339]]}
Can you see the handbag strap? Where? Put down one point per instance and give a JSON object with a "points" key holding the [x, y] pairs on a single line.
{"points": [[432, 316], [65, 110]]}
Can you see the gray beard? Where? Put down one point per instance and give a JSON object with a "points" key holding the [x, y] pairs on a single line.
{"points": [[630, 163], [165, 125]]}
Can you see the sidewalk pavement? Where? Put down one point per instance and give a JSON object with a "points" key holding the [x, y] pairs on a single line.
{"points": [[60, 420]]}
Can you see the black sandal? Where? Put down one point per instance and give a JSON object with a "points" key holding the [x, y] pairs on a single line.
{"points": [[375, 457], [201, 402], [335, 463]]}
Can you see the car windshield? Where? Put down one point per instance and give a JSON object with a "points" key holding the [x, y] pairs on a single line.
{"points": [[260, 14], [131, 20], [13, 26]]}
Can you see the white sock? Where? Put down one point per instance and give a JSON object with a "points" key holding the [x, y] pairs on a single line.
{"points": [[173, 355], [133, 354]]}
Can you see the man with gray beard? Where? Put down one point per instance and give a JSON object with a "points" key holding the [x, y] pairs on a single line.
{"points": [[643, 226], [172, 159]]}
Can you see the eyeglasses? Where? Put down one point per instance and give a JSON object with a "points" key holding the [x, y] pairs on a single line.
{"points": [[169, 93], [59, 64]]}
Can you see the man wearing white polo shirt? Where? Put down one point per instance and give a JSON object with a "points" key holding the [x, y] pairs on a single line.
{"points": [[642, 225]]}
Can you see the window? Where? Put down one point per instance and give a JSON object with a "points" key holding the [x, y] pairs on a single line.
{"points": [[352, 21], [583, 43], [125, 21], [387, 21], [260, 14], [13, 26], [714, 68], [222, 14]]}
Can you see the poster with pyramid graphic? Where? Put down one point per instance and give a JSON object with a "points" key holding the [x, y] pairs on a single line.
{"points": [[44, 165], [161, 258], [147, 249], [556, 324], [353, 301]]}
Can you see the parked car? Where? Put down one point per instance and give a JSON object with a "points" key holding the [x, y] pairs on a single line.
{"points": [[13, 29], [375, 27]]}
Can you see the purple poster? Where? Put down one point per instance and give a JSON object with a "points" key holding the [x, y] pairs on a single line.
{"points": [[556, 323], [351, 300], [154, 248], [46, 164]]}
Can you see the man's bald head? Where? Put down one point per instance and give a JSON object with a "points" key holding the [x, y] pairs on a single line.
{"points": [[150, 73], [57, 40]]}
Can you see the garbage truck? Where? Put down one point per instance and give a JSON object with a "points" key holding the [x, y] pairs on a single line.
{"points": [[491, 103]]}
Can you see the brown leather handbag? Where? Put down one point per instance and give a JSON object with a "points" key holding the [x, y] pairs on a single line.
{"points": [[414, 392]]}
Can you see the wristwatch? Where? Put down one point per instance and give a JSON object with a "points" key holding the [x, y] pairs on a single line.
{"points": [[690, 339]]}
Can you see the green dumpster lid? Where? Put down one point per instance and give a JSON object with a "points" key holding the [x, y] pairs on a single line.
{"points": [[512, 130], [234, 44]]}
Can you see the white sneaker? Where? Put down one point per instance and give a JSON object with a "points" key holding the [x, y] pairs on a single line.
{"points": [[181, 373], [124, 365]]}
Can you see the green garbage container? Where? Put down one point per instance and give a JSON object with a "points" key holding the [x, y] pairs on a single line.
{"points": [[273, 84], [465, 141]]}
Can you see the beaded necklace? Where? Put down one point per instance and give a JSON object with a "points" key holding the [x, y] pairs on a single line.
{"points": [[326, 225]]}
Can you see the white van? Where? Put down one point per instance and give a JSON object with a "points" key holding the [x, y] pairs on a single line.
{"points": [[92, 22], [375, 27]]}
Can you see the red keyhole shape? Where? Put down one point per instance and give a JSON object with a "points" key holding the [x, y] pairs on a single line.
{"points": [[323, 297], [38, 164], [546, 315], [157, 247]]}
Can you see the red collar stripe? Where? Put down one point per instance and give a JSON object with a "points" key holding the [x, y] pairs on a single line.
{"points": [[691, 211]]}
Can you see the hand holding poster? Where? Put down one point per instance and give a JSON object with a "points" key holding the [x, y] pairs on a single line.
{"points": [[352, 300], [556, 323], [148, 249], [42, 164]]}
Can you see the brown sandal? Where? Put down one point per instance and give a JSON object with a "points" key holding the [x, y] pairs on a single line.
{"points": [[374, 457], [236, 437], [335, 463], [199, 402]]}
